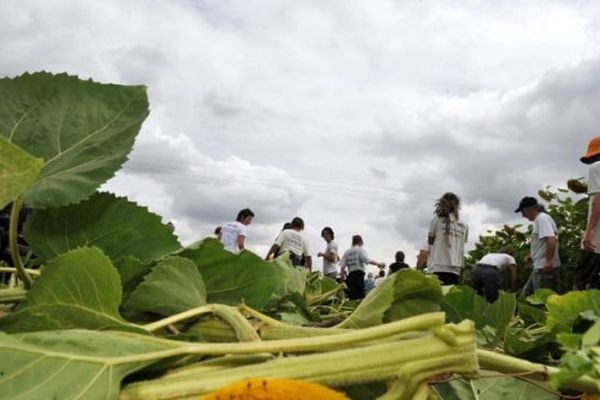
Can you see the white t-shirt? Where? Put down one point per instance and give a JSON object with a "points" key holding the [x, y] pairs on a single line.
{"points": [[293, 241], [594, 188], [355, 259], [330, 267], [543, 227], [230, 232], [498, 260], [448, 251]]}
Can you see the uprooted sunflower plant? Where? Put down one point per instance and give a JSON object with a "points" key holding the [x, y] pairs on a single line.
{"points": [[105, 303]]}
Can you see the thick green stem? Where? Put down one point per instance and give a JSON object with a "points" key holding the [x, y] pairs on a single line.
{"points": [[374, 362], [12, 295], [511, 365], [33, 272], [242, 328], [13, 244]]}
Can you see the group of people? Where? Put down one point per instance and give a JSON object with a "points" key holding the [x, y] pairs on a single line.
{"points": [[443, 254]]}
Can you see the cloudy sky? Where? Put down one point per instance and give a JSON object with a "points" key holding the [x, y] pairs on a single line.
{"points": [[354, 114]]}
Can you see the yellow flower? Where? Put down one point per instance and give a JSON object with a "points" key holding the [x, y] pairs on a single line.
{"points": [[274, 389]]}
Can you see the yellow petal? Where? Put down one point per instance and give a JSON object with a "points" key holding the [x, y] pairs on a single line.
{"points": [[274, 389]]}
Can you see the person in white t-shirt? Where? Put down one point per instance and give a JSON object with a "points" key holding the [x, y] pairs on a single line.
{"points": [[330, 255], [485, 277], [233, 234], [544, 246], [587, 275], [294, 241], [353, 265], [447, 237]]}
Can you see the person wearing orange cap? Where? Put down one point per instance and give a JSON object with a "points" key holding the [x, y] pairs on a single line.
{"points": [[588, 267]]}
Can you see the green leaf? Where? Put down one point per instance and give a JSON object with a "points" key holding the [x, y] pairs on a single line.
{"points": [[18, 171], [114, 224], [173, 286], [592, 336], [80, 289], [490, 387], [72, 364], [83, 131], [564, 310], [234, 278], [540, 296], [292, 280], [403, 294], [463, 303]]}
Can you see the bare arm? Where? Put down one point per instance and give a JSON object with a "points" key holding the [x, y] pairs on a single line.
{"points": [[241, 242], [513, 275], [308, 263], [551, 243], [592, 224], [272, 251]]}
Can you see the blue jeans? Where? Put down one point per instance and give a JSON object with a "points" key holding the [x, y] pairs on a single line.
{"points": [[538, 280]]}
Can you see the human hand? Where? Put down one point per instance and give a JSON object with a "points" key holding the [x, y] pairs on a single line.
{"points": [[587, 241], [320, 254], [547, 268]]}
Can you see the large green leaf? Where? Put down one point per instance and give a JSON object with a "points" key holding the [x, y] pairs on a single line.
{"points": [[119, 227], [80, 289], [72, 364], [462, 302], [564, 310], [292, 280], [83, 131], [173, 286], [234, 278], [491, 387], [18, 171], [403, 294]]}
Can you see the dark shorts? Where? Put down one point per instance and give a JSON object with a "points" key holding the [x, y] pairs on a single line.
{"points": [[588, 270], [486, 281], [356, 285]]}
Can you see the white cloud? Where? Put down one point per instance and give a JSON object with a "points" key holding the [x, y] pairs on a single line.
{"points": [[355, 115]]}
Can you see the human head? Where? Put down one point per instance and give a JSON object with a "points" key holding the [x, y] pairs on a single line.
{"points": [[287, 225], [381, 273], [446, 205], [357, 240], [593, 151], [245, 216], [217, 230], [529, 207], [327, 234], [297, 223], [399, 256]]}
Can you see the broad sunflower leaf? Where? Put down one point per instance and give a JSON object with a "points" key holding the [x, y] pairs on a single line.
{"points": [[72, 364], [234, 278], [403, 294], [80, 289], [18, 171], [114, 224], [83, 131], [173, 286], [564, 310]]}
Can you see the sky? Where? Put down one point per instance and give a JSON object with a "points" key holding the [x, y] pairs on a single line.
{"points": [[351, 114]]}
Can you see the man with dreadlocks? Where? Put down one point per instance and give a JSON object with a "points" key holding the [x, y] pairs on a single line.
{"points": [[447, 238]]}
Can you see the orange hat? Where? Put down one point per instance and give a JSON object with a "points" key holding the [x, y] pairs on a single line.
{"points": [[593, 149]]}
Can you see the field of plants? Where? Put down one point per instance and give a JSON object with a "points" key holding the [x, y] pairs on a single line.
{"points": [[109, 305]]}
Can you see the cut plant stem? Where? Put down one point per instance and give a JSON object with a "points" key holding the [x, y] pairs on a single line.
{"points": [[240, 325], [14, 246], [12, 295], [419, 358], [34, 272], [502, 363]]}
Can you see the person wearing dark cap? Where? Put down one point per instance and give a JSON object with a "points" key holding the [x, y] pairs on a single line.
{"points": [[544, 246], [588, 266]]}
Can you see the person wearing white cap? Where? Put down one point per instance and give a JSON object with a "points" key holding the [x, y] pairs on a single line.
{"points": [[588, 266]]}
